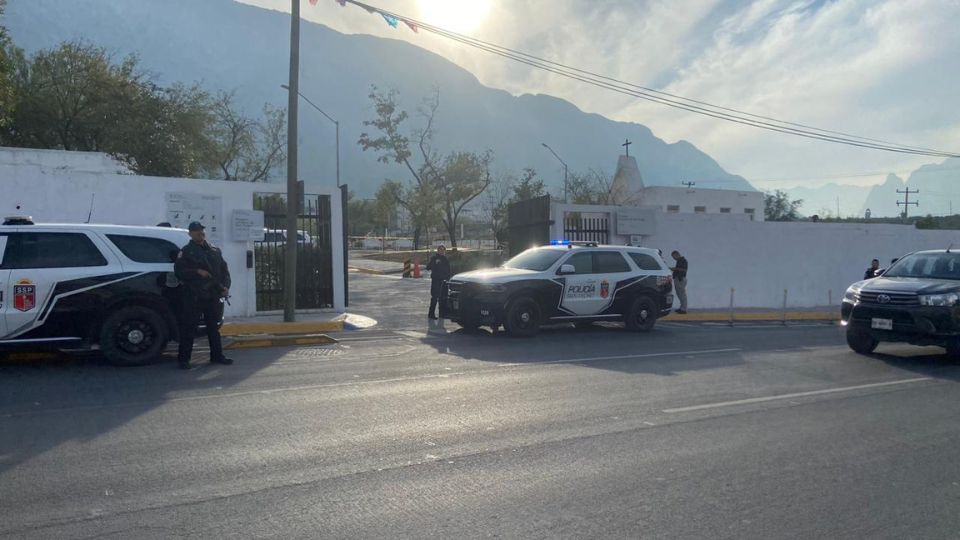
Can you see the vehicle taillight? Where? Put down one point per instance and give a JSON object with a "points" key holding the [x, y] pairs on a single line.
{"points": [[663, 281]]}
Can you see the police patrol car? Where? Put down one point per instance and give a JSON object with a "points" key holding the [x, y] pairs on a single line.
{"points": [[70, 286], [564, 282]]}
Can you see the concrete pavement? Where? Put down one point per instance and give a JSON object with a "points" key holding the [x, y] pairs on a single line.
{"points": [[690, 431]]}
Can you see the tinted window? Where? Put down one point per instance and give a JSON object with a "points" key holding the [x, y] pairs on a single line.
{"points": [[142, 249], [50, 250], [582, 262], [645, 262], [609, 262], [927, 265], [534, 259]]}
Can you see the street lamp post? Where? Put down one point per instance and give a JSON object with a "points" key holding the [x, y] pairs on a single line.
{"points": [[290, 259], [545, 145], [330, 118]]}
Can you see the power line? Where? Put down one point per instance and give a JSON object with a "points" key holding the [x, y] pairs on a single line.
{"points": [[664, 98]]}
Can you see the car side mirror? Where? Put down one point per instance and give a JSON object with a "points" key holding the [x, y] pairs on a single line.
{"points": [[566, 269]]}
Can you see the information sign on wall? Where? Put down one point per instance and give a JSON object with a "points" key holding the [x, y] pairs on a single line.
{"points": [[184, 208], [247, 226], [633, 221]]}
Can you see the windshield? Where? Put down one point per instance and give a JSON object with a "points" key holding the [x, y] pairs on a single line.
{"points": [[538, 259], [927, 265]]}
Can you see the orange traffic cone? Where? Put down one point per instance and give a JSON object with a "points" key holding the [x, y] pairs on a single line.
{"points": [[416, 267]]}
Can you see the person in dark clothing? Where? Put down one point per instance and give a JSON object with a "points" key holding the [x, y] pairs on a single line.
{"points": [[206, 280], [680, 280], [439, 267], [872, 271]]}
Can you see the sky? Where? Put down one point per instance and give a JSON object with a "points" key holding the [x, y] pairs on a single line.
{"points": [[880, 69]]}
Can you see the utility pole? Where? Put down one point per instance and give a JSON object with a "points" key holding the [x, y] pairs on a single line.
{"points": [[838, 207], [565, 199], [689, 184], [293, 194], [905, 203]]}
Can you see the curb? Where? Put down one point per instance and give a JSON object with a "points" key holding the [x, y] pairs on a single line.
{"points": [[754, 317], [280, 328], [267, 340], [371, 271]]}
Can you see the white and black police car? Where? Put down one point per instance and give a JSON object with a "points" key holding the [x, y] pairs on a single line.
{"points": [[75, 286], [575, 282]]}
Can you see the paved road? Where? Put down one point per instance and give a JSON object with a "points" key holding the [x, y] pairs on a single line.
{"points": [[684, 432]]}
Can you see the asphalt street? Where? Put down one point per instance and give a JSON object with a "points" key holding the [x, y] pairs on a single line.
{"points": [[412, 431]]}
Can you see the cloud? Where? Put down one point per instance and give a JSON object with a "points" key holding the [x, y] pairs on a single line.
{"points": [[883, 69]]}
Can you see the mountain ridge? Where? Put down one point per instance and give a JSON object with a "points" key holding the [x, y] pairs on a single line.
{"points": [[211, 42]]}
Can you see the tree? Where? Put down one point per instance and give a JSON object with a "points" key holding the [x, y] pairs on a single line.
{"points": [[777, 206], [420, 195], [246, 149], [529, 186], [7, 52], [596, 187], [464, 177]]}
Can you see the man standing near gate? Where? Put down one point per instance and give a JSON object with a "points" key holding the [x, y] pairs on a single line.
{"points": [[439, 267], [206, 280], [680, 280]]}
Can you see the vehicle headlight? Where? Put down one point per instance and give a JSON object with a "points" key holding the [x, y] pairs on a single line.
{"points": [[948, 299], [852, 295]]}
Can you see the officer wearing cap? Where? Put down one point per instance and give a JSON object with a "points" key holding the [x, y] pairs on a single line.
{"points": [[206, 279]]}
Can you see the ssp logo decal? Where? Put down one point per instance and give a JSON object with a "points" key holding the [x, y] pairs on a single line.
{"points": [[24, 295], [604, 289]]}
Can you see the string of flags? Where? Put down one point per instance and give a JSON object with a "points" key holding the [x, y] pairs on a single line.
{"points": [[391, 19]]}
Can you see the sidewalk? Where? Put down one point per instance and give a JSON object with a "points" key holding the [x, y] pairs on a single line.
{"points": [[819, 313]]}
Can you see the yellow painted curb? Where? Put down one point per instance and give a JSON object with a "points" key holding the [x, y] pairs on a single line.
{"points": [[280, 328], [260, 342], [725, 317]]}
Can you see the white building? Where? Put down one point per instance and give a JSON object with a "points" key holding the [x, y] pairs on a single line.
{"points": [[79, 187], [628, 186]]}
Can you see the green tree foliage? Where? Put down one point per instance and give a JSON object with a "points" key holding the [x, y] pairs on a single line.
{"points": [[6, 71], [77, 97], [464, 177], [430, 195], [245, 148], [529, 186], [777, 206], [596, 187]]}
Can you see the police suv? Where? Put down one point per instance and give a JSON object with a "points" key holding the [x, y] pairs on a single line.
{"points": [[69, 286], [564, 282]]}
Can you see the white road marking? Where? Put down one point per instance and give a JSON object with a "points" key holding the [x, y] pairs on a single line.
{"points": [[409, 333], [796, 395], [621, 357]]}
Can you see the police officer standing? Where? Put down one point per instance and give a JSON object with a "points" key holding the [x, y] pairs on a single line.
{"points": [[439, 267], [206, 279]]}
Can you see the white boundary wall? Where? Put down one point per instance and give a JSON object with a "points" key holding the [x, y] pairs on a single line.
{"points": [[63, 196], [761, 259]]}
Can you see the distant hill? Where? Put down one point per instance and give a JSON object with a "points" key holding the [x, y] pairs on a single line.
{"points": [[227, 45]]}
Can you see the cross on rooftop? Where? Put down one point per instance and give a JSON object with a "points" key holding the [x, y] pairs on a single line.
{"points": [[626, 145]]}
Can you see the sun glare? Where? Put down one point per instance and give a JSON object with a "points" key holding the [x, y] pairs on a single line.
{"points": [[461, 16]]}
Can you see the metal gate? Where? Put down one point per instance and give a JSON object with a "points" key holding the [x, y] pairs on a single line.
{"points": [[581, 229], [528, 224], [314, 252]]}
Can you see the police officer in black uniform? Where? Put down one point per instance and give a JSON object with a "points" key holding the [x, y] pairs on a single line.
{"points": [[439, 267], [206, 279]]}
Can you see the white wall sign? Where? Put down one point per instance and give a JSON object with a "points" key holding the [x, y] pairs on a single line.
{"points": [[183, 208], [247, 226], [631, 221]]}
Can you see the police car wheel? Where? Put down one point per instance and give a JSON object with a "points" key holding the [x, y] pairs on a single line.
{"points": [[523, 317], [642, 315], [133, 336]]}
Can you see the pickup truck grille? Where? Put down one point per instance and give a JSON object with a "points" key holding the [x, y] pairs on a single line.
{"points": [[884, 298]]}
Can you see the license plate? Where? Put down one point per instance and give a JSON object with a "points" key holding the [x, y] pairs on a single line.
{"points": [[881, 324]]}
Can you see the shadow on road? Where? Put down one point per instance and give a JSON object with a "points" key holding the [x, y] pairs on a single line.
{"points": [[602, 346], [65, 386], [923, 361]]}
